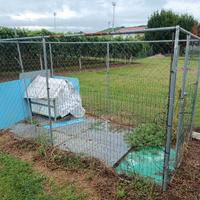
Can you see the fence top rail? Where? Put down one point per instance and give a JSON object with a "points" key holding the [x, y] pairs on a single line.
{"points": [[189, 33], [97, 42], [105, 34], [23, 38], [93, 34]]}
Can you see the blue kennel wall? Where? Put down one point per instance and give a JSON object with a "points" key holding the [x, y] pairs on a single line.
{"points": [[13, 106]]}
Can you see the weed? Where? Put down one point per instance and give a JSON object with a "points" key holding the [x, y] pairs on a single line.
{"points": [[69, 161], [90, 176], [121, 193], [146, 135], [31, 121], [42, 141], [144, 187], [96, 126]]}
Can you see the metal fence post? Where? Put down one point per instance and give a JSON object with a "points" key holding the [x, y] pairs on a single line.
{"points": [[171, 97], [41, 64], [107, 56], [20, 57], [80, 63], [22, 69], [180, 131], [51, 59], [107, 80], [194, 99], [107, 69], [47, 83]]}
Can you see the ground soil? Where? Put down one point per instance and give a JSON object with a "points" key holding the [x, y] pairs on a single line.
{"points": [[186, 183], [197, 129], [100, 182]]}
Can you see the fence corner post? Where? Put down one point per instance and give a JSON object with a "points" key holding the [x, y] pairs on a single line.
{"points": [[171, 97]]}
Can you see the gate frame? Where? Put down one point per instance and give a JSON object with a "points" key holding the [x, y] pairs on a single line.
{"points": [[182, 102]]}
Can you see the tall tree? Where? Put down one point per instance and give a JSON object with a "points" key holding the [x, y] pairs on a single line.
{"points": [[165, 19]]}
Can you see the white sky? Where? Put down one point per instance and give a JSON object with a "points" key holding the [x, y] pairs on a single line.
{"points": [[86, 15]]}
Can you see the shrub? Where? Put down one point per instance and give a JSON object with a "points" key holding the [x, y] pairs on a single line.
{"points": [[146, 135]]}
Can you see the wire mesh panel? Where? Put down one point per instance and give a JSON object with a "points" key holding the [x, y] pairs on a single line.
{"points": [[124, 91], [139, 97], [10, 67]]}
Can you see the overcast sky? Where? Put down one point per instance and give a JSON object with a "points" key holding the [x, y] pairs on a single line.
{"points": [[86, 15]]}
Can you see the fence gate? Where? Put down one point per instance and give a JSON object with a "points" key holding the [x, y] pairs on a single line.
{"points": [[187, 96]]}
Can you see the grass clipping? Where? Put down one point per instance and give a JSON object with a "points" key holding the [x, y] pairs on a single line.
{"points": [[146, 135]]}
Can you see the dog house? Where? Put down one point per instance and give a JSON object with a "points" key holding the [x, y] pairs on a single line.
{"points": [[64, 99]]}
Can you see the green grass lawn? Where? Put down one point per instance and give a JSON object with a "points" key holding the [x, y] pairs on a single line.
{"points": [[133, 93], [18, 181]]}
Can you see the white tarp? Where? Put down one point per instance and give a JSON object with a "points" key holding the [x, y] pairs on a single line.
{"points": [[62, 95]]}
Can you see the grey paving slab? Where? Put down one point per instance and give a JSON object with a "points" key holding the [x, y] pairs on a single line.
{"points": [[92, 137]]}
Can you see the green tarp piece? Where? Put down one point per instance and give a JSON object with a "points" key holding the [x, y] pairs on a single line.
{"points": [[147, 162]]}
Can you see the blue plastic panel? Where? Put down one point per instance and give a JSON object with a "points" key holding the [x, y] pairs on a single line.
{"points": [[65, 123], [13, 106]]}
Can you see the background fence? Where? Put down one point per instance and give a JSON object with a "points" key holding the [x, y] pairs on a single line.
{"points": [[139, 98]]}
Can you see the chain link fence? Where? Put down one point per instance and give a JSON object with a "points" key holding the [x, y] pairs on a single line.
{"points": [[130, 104]]}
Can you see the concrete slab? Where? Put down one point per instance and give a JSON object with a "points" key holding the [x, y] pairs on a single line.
{"points": [[90, 137]]}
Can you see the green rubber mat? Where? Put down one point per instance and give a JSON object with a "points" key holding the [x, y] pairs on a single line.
{"points": [[147, 162]]}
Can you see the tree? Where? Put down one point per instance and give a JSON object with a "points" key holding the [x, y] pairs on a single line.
{"points": [[10, 32], [166, 19], [187, 22]]}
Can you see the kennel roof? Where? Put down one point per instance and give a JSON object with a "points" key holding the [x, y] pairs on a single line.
{"points": [[67, 98], [38, 88]]}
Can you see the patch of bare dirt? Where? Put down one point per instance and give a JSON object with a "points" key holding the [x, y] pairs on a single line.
{"points": [[157, 56], [197, 129], [186, 182]]}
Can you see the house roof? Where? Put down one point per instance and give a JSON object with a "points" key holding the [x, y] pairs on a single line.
{"points": [[111, 29], [123, 29], [132, 28]]}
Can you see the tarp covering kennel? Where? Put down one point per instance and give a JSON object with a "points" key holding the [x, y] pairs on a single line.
{"points": [[64, 99]]}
